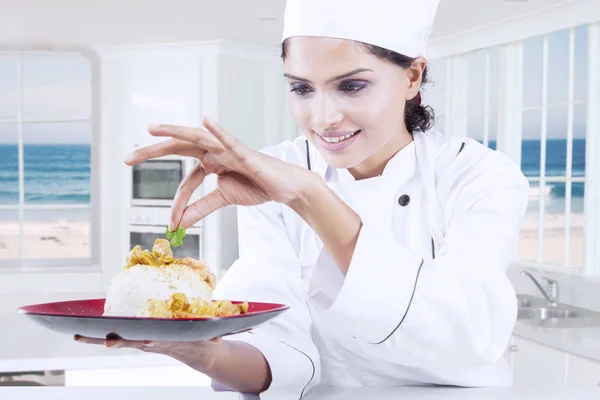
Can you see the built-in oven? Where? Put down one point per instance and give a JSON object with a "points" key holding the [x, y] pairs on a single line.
{"points": [[155, 182], [149, 223]]}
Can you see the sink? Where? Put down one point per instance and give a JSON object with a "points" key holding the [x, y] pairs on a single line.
{"points": [[538, 312], [545, 313], [524, 301]]}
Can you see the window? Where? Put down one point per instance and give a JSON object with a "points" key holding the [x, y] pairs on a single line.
{"points": [[535, 99], [45, 160], [482, 100], [553, 147]]}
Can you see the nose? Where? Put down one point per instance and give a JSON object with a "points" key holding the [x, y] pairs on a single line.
{"points": [[325, 113]]}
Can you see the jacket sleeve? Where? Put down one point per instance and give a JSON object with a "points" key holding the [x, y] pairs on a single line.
{"points": [[268, 270], [457, 309]]}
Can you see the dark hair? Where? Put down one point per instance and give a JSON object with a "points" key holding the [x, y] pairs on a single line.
{"points": [[416, 116]]}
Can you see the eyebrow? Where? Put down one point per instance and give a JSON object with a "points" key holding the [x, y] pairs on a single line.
{"points": [[335, 78]]}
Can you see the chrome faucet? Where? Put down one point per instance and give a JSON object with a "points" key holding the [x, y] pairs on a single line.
{"points": [[551, 293]]}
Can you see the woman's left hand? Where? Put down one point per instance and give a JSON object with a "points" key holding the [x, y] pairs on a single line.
{"points": [[203, 352], [244, 176]]}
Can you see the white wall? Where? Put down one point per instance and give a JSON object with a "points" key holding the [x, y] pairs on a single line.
{"points": [[252, 106], [137, 87]]}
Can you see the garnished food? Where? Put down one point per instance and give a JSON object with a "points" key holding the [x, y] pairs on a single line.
{"points": [[157, 284], [179, 306]]}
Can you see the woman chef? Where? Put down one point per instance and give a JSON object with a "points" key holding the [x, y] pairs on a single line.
{"points": [[389, 242]]}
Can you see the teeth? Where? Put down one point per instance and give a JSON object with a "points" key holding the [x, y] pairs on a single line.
{"points": [[338, 139]]}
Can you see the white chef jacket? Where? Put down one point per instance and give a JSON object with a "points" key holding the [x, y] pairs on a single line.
{"points": [[426, 299]]}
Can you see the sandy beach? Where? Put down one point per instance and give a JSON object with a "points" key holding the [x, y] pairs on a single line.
{"points": [[63, 239], [554, 239], [60, 239]]}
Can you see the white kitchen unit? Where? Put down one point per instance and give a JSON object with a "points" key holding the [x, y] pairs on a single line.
{"points": [[538, 365], [582, 372], [239, 86], [176, 375]]}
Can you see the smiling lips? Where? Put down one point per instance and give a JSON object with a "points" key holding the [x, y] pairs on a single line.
{"points": [[337, 142], [336, 137]]}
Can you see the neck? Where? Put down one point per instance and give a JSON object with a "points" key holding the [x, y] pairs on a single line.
{"points": [[374, 165]]}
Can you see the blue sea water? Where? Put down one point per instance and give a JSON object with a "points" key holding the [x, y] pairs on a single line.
{"points": [[53, 174], [60, 174], [555, 166]]}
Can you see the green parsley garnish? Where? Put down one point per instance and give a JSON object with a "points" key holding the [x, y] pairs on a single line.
{"points": [[176, 238]]}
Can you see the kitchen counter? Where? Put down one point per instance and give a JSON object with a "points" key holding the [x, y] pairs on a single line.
{"points": [[324, 393], [444, 393], [26, 346], [583, 342]]}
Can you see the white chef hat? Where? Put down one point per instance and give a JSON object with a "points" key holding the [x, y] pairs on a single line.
{"points": [[402, 26]]}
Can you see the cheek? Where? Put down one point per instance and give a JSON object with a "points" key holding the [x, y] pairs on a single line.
{"points": [[300, 111], [378, 110]]}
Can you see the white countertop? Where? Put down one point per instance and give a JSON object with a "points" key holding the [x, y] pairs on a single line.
{"points": [[404, 393], [444, 393], [26, 346], [583, 342]]}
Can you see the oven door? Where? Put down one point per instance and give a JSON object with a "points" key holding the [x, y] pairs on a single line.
{"points": [[155, 182], [145, 236]]}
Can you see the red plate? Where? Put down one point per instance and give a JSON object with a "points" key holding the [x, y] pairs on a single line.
{"points": [[84, 317]]}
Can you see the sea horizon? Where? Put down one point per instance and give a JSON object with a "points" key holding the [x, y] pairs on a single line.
{"points": [[59, 174]]}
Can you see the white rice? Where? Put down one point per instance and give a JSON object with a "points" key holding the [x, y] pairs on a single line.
{"points": [[129, 290]]}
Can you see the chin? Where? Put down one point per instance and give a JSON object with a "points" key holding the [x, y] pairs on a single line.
{"points": [[341, 161], [344, 159]]}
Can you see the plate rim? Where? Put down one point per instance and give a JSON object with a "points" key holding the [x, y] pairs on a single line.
{"points": [[22, 310]]}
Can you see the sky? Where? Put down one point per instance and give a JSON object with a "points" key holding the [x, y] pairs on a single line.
{"points": [[60, 87], [558, 86], [54, 86]]}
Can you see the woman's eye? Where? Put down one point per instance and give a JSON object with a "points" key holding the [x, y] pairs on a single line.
{"points": [[352, 86], [301, 89]]}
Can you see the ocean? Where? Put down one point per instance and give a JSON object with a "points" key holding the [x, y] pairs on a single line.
{"points": [[556, 165], [60, 174], [54, 175]]}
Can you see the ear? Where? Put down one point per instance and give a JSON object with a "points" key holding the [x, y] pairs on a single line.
{"points": [[414, 75]]}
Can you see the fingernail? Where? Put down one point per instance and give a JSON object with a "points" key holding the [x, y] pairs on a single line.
{"points": [[113, 336], [153, 126], [210, 121], [148, 343], [128, 158]]}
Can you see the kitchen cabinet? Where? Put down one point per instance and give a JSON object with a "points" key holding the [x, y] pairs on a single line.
{"points": [[138, 376], [536, 365], [241, 87], [582, 372]]}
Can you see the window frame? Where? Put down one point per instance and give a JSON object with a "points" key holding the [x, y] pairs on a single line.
{"points": [[510, 116], [568, 179], [592, 167], [488, 111], [91, 264]]}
